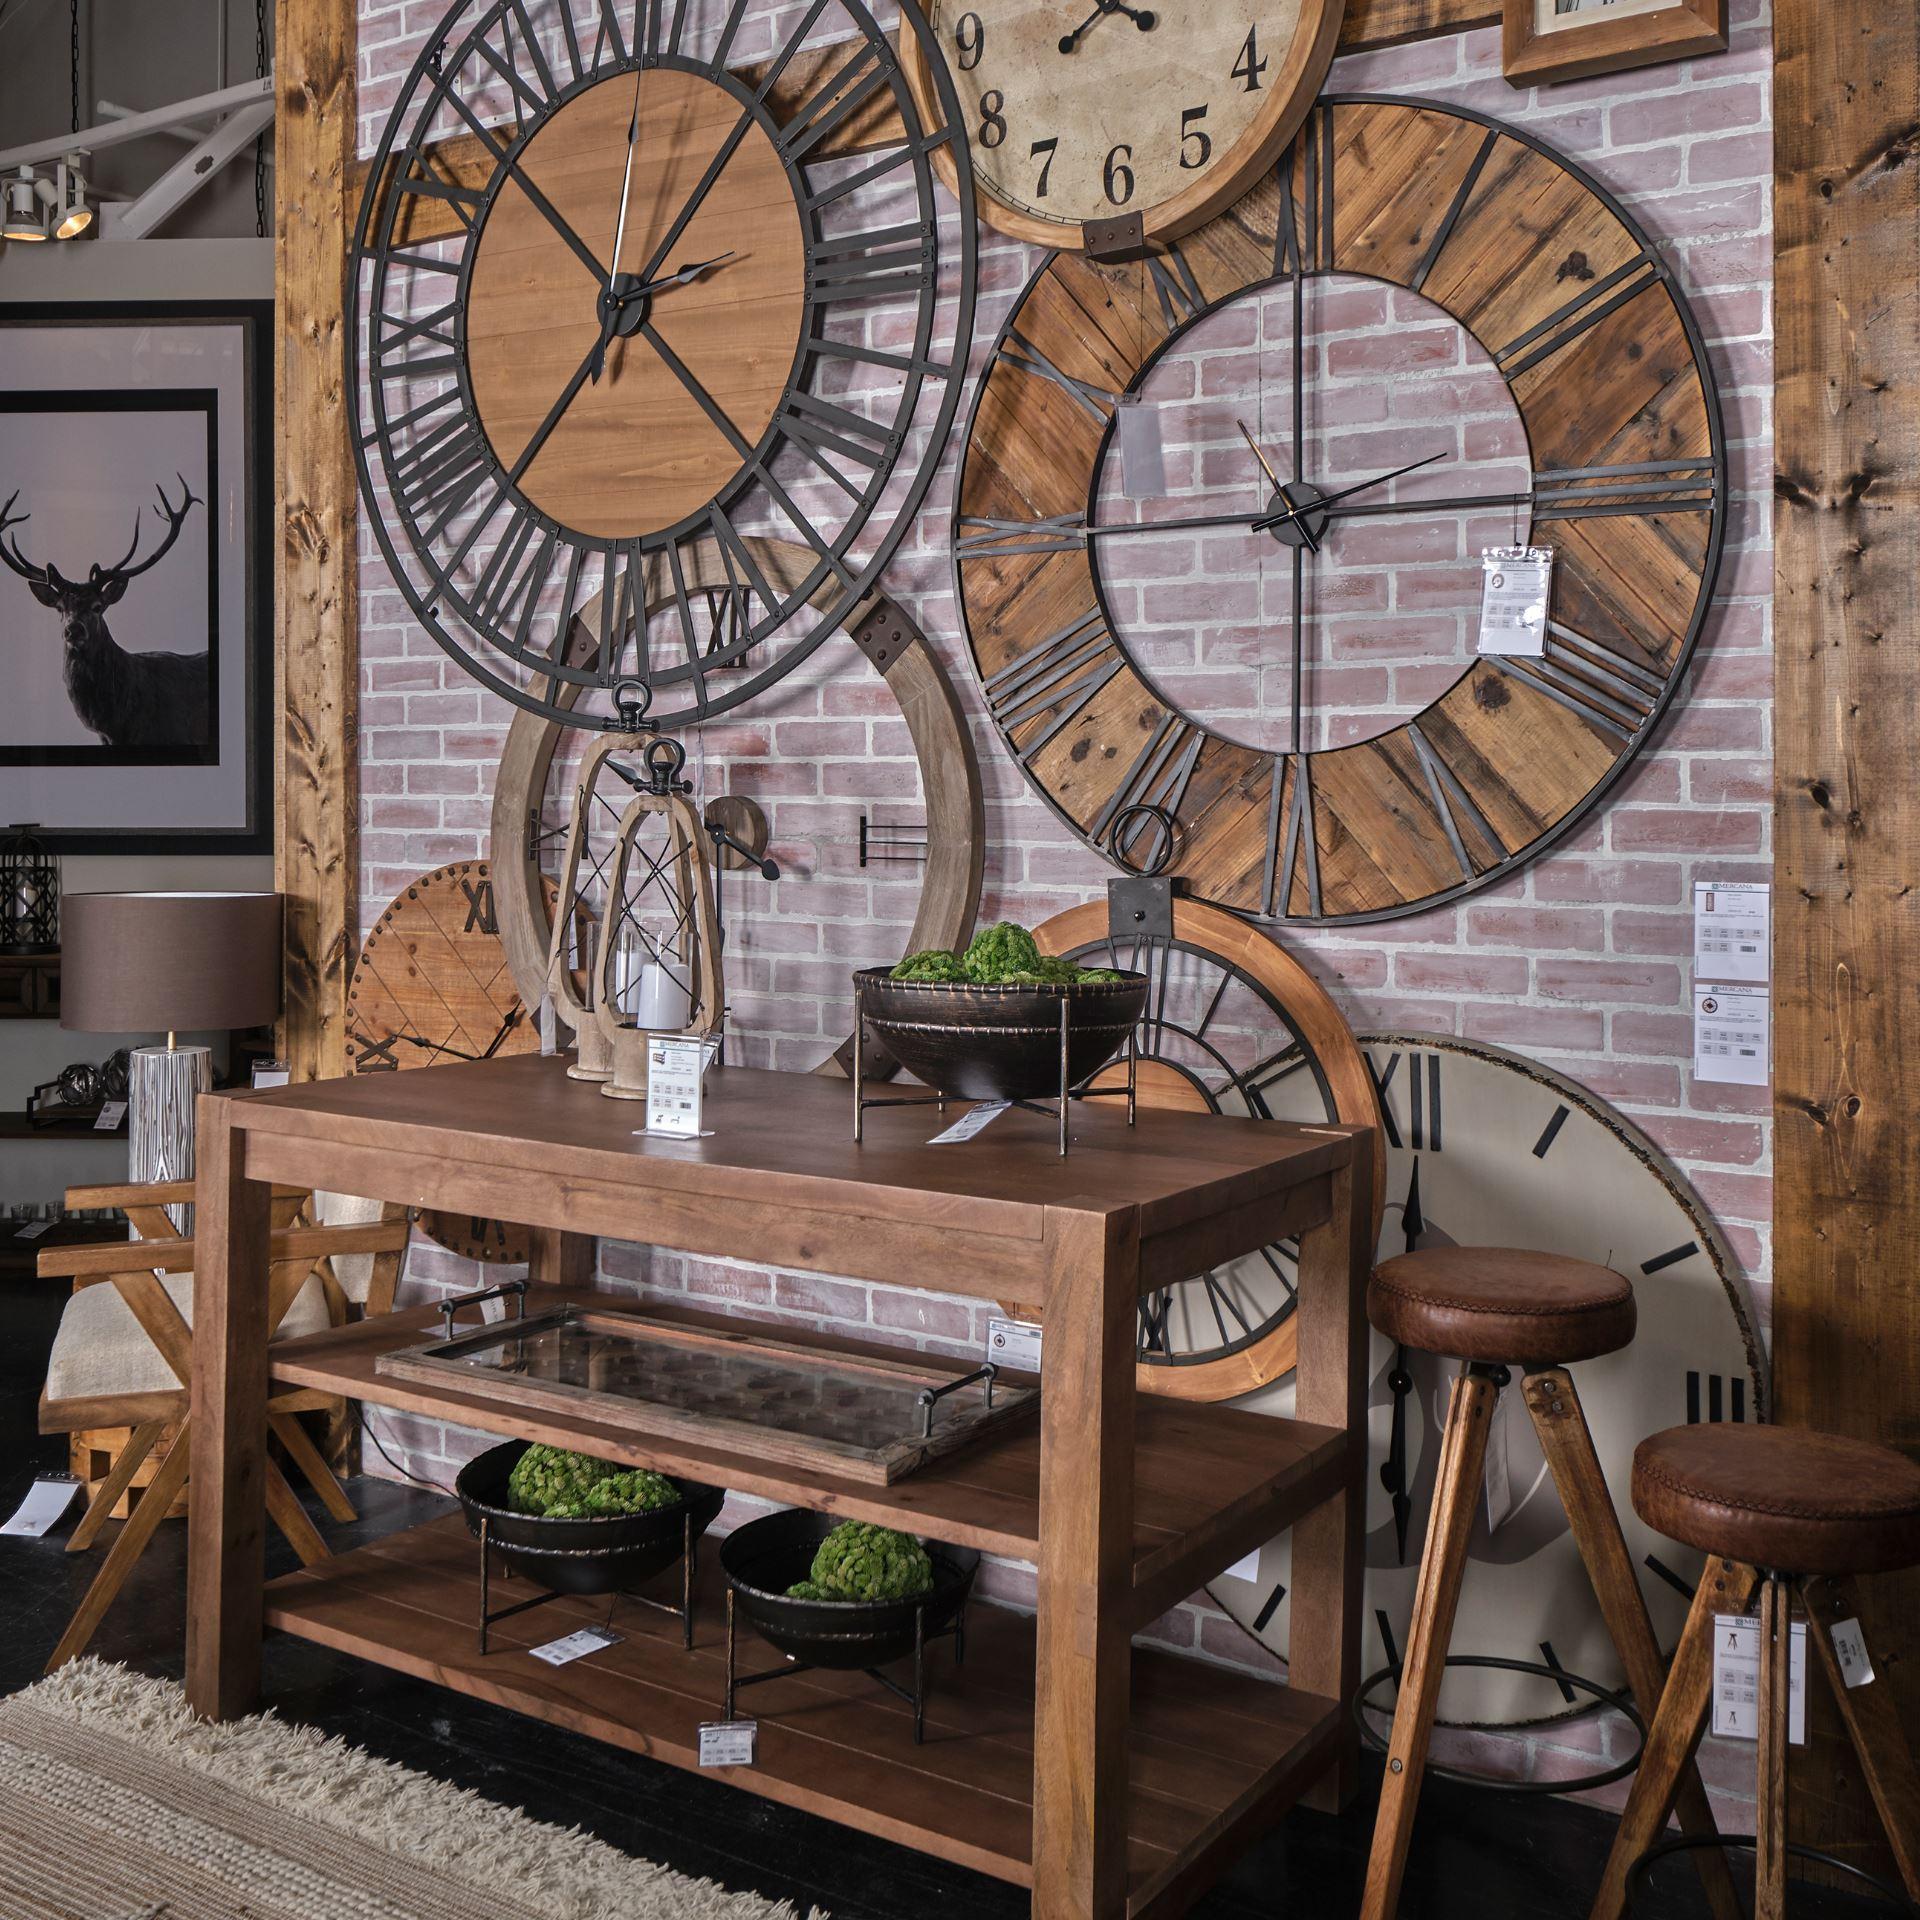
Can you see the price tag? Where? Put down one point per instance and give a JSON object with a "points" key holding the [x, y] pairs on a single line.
{"points": [[1850, 1649], [110, 1116], [1015, 1344], [1732, 929], [1516, 584], [1143, 457], [270, 1073], [1736, 1679], [33, 1230], [47, 1499], [728, 1743], [676, 1075], [576, 1646], [1730, 1031], [981, 1117]]}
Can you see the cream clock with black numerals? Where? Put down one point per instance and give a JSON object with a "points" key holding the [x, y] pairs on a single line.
{"points": [[1487, 1148], [1142, 119]]}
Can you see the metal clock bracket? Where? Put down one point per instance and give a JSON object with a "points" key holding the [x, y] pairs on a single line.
{"points": [[1114, 242]]}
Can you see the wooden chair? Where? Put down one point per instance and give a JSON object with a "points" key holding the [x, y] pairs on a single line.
{"points": [[123, 1357]]}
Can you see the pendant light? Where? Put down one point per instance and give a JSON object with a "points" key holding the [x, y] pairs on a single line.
{"points": [[72, 213], [24, 219]]}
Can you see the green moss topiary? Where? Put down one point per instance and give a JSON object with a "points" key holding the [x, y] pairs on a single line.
{"points": [[859, 1561], [557, 1485]]}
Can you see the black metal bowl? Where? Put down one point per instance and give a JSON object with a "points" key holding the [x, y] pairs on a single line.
{"points": [[998, 1043], [765, 1557], [605, 1554]]}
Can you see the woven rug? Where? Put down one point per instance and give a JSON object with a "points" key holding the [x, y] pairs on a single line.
{"points": [[117, 1804]]}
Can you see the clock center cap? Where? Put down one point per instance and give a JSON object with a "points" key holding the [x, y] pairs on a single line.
{"points": [[1308, 525], [627, 305]]}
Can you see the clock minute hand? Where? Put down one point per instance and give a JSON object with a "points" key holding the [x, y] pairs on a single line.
{"points": [[682, 275], [1273, 520]]}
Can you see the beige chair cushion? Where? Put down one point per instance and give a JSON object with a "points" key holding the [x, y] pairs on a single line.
{"points": [[101, 1349], [354, 1271]]}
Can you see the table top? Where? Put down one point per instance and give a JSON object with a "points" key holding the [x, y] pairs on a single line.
{"points": [[789, 1137]]}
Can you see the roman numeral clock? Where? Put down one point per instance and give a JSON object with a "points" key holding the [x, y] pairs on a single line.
{"points": [[1218, 533], [618, 265]]}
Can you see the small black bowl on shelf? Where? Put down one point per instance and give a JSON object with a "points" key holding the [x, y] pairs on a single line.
{"points": [[601, 1553], [762, 1559], [1012, 1042]]}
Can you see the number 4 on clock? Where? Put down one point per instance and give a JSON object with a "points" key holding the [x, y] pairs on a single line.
{"points": [[1250, 66]]}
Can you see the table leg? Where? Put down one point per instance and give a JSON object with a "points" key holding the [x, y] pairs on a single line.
{"points": [[226, 1521], [1331, 1387], [561, 1259], [1083, 1675]]}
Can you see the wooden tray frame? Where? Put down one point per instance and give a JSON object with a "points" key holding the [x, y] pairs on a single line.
{"points": [[437, 1363]]}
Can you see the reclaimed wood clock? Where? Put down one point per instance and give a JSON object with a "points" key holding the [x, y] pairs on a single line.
{"points": [[1478, 244], [617, 293], [1133, 123], [432, 985], [1485, 1147]]}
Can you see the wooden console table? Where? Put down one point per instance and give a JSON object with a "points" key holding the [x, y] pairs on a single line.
{"points": [[1114, 1782]]}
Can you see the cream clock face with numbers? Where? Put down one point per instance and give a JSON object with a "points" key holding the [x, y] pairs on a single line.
{"points": [[1487, 1148], [1105, 110]]}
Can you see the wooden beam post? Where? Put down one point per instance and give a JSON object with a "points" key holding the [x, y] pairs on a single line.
{"points": [[316, 607], [1847, 810]]}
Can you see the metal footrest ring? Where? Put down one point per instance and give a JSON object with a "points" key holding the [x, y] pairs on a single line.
{"points": [[1745, 1843], [1620, 1702]]}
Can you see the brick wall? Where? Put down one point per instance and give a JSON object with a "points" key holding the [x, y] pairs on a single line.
{"points": [[1581, 960]]}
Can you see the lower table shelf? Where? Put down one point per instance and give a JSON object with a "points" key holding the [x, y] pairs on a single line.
{"points": [[1210, 1755]]}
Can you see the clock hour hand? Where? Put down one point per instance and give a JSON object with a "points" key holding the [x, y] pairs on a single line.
{"points": [[1272, 520], [1140, 17], [1280, 492], [433, 1046], [512, 1020]]}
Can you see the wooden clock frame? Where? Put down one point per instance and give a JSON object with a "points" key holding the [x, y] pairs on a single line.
{"points": [[1460, 797]]}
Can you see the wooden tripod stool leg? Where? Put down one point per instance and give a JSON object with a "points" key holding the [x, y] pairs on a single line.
{"points": [[1770, 1812], [1443, 1565], [141, 1442], [130, 1543], [1725, 1587], [1567, 1442], [312, 1464], [1873, 1725]]}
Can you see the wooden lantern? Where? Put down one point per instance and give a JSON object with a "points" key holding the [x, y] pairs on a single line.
{"points": [[572, 981], [659, 915]]}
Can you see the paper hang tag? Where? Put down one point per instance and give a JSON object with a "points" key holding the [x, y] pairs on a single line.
{"points": [[575, 1646], [1143, 455], [110, 1116], [1516, 588], [1732, 930], [1736, 1679], [971, 1123], [1015, 1344], [47, 1499], [549, 1027], [728, 1743], [1850, 1650], [1731, 1031]]}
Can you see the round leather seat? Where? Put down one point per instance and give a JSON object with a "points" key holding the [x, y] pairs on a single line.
{"points": [[1781, 1497], [1500, 1305]]}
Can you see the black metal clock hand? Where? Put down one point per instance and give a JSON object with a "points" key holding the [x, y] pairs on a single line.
{"points": [[1273, 520], [1393, 1474], [512, 1020], [433, 1046], [1140, 16], [610, 296]]}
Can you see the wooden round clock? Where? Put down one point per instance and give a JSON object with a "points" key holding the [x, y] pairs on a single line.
{"points": [[1139, 120], [1485, 1147], [1275, 636], [432, 985], [618, 292]]}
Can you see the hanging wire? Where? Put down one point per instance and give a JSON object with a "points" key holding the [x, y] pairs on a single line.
{"points": [[260, 145], [73, 68]]}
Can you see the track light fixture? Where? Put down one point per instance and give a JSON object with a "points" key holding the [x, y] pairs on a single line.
{"points": [[72, 211], [24, 218]]}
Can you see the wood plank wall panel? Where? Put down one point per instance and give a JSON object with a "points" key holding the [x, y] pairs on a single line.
{"points": [[1385, 23], [1847, 810], [316, 624]]}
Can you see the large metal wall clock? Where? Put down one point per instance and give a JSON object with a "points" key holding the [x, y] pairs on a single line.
{"points": [[1112, 124], [615, 289], [1476, 242], [1487, 1148]]}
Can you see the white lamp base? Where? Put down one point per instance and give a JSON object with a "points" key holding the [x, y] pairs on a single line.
{"points": [[163, 1084]]}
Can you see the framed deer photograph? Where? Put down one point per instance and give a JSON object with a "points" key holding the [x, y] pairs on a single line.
{"points": [[136, 575]]}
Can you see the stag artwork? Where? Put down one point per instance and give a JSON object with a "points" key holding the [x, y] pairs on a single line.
{"points": [[128, 699]]}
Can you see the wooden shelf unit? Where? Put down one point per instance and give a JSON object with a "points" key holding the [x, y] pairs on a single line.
{"points": [[1205, 1750], [1114, 1782]]}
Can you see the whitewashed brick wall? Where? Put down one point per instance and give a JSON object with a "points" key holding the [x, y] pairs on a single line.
{"points": [[1582, 960]]}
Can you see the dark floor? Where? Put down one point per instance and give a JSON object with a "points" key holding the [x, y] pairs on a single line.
{"points": [[1478, 1856]]}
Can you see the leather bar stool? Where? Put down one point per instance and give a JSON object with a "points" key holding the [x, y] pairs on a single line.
{"points": [[1789, 1513], [1494, 1309]]}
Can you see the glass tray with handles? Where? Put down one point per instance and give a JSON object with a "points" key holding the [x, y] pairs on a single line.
{"points": [[857, 1416]]}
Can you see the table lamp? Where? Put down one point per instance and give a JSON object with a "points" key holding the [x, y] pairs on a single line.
{"points": [[171, 963]]}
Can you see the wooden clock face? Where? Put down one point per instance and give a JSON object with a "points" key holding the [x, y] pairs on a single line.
{"points": [[1092, 113], [1275, 637], [432, 986], [1486, 1148], [617, 284], [1233, 1024]]}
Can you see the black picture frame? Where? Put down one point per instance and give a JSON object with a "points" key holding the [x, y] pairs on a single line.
{"points": [[252, 834]]}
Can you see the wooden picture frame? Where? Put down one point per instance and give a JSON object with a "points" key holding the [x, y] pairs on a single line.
{"points": [[1604, 36]]}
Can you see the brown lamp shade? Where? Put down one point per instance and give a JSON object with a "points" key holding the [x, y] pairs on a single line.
{"points": [[172, 962]]}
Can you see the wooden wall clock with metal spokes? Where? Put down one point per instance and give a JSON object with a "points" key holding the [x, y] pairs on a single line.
{"points": [[1459, 231]]}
